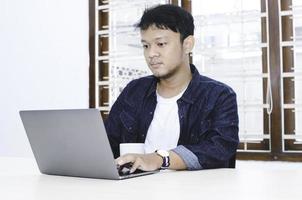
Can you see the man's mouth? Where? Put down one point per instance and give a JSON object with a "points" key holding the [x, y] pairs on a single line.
{"points": [[155, 63]]}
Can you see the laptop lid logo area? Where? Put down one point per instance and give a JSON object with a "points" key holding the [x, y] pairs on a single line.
{"points": [[70, 143]]}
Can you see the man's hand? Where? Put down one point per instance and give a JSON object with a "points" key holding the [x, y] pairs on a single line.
{"points": [[145, 162]]}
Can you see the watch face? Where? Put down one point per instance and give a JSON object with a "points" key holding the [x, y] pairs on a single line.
{"points": [[163, 153]]}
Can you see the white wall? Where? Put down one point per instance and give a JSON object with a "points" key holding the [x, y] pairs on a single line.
{"points": [[44, 63]]}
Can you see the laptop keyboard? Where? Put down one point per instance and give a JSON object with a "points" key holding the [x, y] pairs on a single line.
{"points": [[124, 170]]}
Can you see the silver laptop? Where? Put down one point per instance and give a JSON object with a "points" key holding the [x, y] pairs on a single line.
{"points": [[72, 143]]}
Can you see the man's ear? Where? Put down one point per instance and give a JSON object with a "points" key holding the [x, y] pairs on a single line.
{"points": [[188, 44]]}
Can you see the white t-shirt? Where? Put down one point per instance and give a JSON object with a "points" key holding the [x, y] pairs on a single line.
{"points": [[164, 130]]}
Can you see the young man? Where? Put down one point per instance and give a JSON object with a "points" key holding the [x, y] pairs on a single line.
{"points": [[186, 120]]}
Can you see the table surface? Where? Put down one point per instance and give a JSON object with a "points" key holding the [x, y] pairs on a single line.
{"points": [[21, 179]]}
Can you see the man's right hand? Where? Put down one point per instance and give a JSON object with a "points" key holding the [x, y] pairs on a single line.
{"points": [[145, 162]]}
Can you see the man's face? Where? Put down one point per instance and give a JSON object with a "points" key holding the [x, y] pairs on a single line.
{"points": [[163, 51]]}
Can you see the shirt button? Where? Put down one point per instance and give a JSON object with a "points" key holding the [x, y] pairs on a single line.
{"points": [[151, 113]]}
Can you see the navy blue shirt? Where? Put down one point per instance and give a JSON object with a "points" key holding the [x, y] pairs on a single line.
{"points": [[208, 120]]}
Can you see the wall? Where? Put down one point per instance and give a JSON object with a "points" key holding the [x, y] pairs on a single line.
{"points": [[44, 62]]}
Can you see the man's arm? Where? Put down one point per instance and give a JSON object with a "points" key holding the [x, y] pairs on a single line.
{"points": [[218, 142], [113, 124]]}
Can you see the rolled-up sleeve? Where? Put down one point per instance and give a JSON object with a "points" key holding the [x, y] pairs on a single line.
{"points": [[189, 158]]}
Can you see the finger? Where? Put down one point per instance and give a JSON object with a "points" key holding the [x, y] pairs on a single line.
{"points": [[125, 159], [136, 165], [118, 160]]}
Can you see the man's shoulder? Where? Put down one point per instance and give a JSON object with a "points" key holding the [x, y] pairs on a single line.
{"points": [[140, 83], [211, 84], [137, 89], [145, 80], [210, 92]]}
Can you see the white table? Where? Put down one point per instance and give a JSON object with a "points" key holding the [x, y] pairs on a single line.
{"points": [[20, 179]]}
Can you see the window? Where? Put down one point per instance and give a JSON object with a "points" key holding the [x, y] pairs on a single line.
{"points": [[232, 47], [291, 74]]}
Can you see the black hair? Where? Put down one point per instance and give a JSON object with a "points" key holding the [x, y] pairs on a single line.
{"points": [[168, 16]]}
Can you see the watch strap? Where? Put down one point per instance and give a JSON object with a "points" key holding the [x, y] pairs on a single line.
{"points": [[166, 160]]}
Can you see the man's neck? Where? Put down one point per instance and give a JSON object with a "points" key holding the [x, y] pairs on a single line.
{"points": [[172, 86]]}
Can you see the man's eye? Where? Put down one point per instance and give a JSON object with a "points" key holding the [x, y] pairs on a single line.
{"points": [[161, 44], [145, 46]]}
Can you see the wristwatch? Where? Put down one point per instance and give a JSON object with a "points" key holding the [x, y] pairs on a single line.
{"points": [[165, 156]]}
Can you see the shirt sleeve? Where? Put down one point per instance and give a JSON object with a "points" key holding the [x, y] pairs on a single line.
{"points": [[218, 143], [188, 157]]}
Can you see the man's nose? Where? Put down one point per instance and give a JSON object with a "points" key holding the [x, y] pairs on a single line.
{"points": [[153, 52]]}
